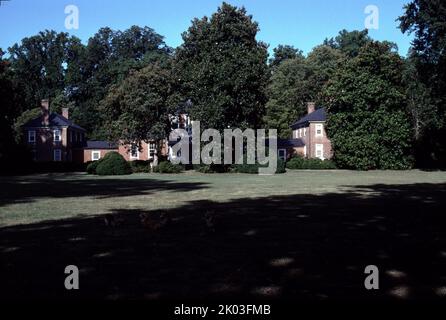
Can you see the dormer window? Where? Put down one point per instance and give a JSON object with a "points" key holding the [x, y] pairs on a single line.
{"points": [[57, 136], [32, 136]]}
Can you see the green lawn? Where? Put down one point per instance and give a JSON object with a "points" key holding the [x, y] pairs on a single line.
{"points": [[31, 199], [302, 235]]}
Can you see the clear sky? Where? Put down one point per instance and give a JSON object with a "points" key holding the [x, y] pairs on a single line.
{"points": [[301, 23]]}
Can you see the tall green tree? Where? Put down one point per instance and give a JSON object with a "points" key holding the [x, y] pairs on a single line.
{"points": [[224, 69], [282, 53], [107, 60], [349, 42], [367, 119], [137, 109], [287, 93], [40, 64], [426, 20], [297, 81]]}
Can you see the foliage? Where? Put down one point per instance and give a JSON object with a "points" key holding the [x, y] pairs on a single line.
{"points": [[309, 163], [295, 82], [92, 166], [427, 80], [288, 91], [168, 167], [349, 42], [223, 70], [113, 164], [283, 53], [22, 120], [367, 120], [137, 110], [139, 166]]}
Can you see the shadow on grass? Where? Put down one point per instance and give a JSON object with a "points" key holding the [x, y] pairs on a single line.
{"points": [[310, 247], [28, 189]]}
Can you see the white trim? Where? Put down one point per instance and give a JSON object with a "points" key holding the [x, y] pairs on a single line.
{"points": [[319, 147], [57, 135], [319, 127], [59, 152], [149, 149], [305, 150], [95, 152], [33, 135]]}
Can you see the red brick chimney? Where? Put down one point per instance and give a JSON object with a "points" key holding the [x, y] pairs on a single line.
{"points": [[65, 113], [311, 106], [45, 107]]}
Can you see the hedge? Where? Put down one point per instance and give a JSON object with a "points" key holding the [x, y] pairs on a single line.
{"points": [[167, 167], [312, 163], [113, 164]]}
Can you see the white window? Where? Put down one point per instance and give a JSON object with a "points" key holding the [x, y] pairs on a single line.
{"points": [[152, 150], [282, 154], [305, 132], [57, 136], [305, 151], [319, 151], [134, 152], [319, 129], [31, 136], [57, 155], [95, 155]]}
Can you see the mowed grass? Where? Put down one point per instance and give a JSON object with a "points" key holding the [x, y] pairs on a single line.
{"points": [[303, 235], [35, 198]]}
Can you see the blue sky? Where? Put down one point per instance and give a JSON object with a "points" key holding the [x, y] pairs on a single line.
{"points": [[302, 23]]}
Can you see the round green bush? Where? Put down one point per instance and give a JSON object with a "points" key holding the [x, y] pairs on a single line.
{"points": [[92, 165], [113, 164]]}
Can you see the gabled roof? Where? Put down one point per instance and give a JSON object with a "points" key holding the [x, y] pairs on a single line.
{"points": [[98, 144], [315, 116], [55, 120]]}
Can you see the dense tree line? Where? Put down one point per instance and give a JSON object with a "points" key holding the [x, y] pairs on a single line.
{"points": [[384, 111]]}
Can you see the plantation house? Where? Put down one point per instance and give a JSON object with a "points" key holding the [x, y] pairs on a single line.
{"points": [[54, 137], [309, 137]]}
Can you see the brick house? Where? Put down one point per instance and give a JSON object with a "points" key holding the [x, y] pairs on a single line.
{"points": [[53, 137], [309, 137]]}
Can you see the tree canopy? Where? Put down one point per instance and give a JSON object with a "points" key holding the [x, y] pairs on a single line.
{"points": [[223, 69], [367, 121]]}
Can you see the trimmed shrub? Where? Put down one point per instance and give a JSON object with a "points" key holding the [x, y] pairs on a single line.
{"points": [[92, 165], [113, 164], [312, 163], [167, 167], [140, 166]]}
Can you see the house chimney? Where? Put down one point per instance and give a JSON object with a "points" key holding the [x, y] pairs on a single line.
{"points": [[45, 107], [311, 106], [65, 113]]}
